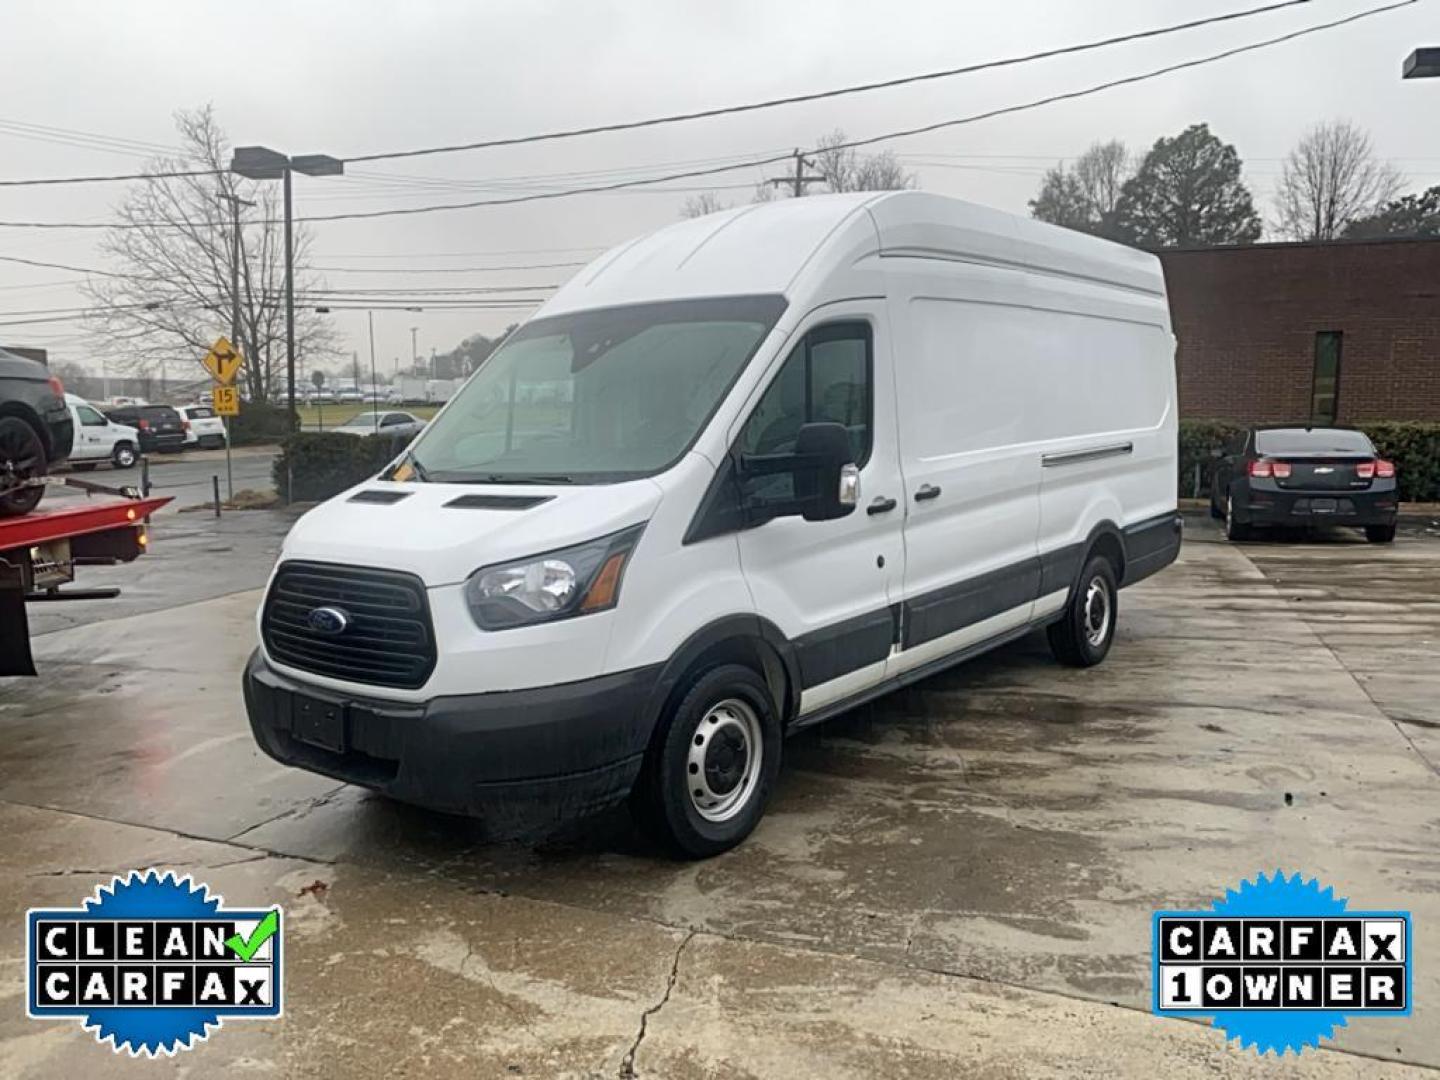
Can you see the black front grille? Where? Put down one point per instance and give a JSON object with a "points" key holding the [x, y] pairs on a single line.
{"points": [[388, 641]]}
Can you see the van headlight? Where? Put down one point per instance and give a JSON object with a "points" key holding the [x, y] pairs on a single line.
{"points": [[560, 584]]}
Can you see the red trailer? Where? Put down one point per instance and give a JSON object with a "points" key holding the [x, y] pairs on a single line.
{"points": [[39, 553]]}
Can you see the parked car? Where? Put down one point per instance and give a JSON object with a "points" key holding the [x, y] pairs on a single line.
{"points": [[393, 396], [99, 439], [1304, 476], [350, 395], [204, 430], [36, 431], [159, 426], [320, 396], [805, 453], [382, 423]]}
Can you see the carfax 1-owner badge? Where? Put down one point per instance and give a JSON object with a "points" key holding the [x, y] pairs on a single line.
{"points": [[1280, 963], [151, 962]]}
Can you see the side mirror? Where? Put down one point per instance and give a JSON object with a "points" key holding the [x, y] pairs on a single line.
{"points": [[824, 482]]}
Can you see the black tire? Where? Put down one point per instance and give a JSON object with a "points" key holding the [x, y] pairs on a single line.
{"points": [[83, 466], [1083, 635], [1380, 534], [22, 457], [124, 456], [1235, 532], [710, 733]]}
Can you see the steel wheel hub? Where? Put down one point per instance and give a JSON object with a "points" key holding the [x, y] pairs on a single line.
{"points": [[1097, 612], [722, 767]]}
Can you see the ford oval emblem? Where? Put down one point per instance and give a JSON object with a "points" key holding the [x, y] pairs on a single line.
{"points": [[328, 620]]}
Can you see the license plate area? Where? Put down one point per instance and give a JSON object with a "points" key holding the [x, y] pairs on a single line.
{"points": [[318, 722], [1322, 506]]}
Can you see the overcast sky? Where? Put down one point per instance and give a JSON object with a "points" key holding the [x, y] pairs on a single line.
{"points": [[355, 77]]}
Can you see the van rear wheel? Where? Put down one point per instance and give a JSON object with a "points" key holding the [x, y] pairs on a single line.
{"points": [[711, 764], [1083, 635]]}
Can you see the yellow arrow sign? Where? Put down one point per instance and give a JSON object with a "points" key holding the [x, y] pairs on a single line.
{"points": [[223, 361]]}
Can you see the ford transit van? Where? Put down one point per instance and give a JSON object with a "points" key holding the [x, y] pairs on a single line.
{"points": [[736, 477]]}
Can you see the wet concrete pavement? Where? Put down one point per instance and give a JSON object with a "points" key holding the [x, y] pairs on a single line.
{"points": [[955, 880]]}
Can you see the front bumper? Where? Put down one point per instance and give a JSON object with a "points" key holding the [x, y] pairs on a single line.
{"points": [[521, 761], [1273, 505]]}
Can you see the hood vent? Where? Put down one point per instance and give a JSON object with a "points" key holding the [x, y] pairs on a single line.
{"points": [[498, 502], [384, 498]]}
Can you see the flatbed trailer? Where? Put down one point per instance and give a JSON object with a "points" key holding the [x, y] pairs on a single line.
{"points": [[40, 551]]}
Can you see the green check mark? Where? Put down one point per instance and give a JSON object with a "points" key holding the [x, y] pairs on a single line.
{"points": [[245, 948]]}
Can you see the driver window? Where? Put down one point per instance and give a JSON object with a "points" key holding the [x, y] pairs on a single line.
{"points": [[89, 417], [827, 377]]}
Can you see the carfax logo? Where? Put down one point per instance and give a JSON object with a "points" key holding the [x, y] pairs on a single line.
{"points": [[1279, 964], [150, 963]]}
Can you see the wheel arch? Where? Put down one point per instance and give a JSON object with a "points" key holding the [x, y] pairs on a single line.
{"points": [[20, 410], [744, 639]]}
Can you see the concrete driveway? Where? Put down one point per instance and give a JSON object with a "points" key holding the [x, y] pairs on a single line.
{"points": [[953, 881]]}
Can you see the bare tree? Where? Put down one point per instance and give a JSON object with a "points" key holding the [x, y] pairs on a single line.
{"points": [[1331, 178], [707, 202], [170, 297], [1100, 173], [882, 172], [846, 170]]}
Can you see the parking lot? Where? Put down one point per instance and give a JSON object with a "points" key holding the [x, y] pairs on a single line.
{"points": [[956, 880]]}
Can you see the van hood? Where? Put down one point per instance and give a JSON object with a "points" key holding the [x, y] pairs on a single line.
{"points": [[443, 533]]}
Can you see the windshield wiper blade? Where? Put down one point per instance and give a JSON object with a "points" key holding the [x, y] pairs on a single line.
{"points": [[521, 478]]}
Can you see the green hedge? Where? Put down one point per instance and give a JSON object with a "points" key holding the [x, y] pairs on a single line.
{"points": [[261, 422], [1413, 446], [324, 463]]}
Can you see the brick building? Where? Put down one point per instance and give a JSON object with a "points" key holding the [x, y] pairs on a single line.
{"points": [[1338, 332]]}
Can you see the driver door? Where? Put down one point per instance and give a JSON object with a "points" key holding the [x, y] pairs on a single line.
{"points": [[829, 585], [92, 439]]}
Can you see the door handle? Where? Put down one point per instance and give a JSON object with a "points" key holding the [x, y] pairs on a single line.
{"points": [[882, 505], [927, 492]]}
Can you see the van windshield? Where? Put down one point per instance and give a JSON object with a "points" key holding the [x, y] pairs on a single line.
{"points": [[596, 396]]}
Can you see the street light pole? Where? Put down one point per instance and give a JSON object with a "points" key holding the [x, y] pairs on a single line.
{"points": [[414, 350], [374, 390], [262, 163], [235, 203], [289, 300]]}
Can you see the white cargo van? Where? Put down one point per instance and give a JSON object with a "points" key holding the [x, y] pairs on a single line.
{"points": [[734, 478], [99, 439]]}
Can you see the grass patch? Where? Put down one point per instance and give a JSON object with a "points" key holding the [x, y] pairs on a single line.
{"points": [[332, 416]]}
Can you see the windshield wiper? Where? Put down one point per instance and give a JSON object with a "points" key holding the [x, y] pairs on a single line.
{"points": [[520, 478]]}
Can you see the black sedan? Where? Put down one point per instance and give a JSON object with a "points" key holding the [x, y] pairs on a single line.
{"points": [[36, 430], [1304, 476], [161, 427]]}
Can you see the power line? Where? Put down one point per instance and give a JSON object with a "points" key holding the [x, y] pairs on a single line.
{"points": [[731, 110], [761, 162], [72, 269], [443, 269], [958, 122], [796, 99]]}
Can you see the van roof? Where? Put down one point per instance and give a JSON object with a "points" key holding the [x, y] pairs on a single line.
{"points": [[778, 247]]}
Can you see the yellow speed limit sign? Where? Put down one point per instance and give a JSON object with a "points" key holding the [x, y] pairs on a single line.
{"points": [[226, 400]]}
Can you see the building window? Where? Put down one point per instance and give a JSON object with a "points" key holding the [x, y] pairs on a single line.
{"points": [[1324, 398]]}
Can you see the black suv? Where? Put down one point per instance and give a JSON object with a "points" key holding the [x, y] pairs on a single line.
{"points": [[35, 430], [161, 427]]}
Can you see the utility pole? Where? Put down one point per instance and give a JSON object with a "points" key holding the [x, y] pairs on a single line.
{"points": [[235, 204], [414, 350], [799, 180]]}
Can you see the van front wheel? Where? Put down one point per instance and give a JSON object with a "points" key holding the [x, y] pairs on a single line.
{"points": [[712, 764], [1083, 635]]}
